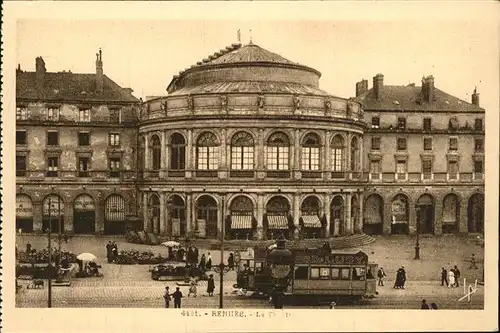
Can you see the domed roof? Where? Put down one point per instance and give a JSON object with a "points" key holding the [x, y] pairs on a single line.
{"points": [[249, 53]]}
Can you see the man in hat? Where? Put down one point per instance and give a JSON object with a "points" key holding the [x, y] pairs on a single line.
{"points": [[167, 297], [210, 285], [177, 295], [380, 275]]}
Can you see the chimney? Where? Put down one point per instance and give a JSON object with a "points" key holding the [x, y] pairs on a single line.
{"points": [[475, 97], [361, 87], [378, 84], [99, 73], [40, 75], [429, 84]]}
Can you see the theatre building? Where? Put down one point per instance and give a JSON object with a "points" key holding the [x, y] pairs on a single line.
{"points": [[75, 151], [424, 156], [247, 142]]}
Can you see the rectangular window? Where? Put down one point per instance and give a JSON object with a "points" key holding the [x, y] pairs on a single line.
{"points": [[83, 139], [324, 273], [335, 273], [208, 158], [21, 113], [401, 123], [84, 116], [301, 272], [52, 163], [427, 143], [453, 169], [52, 138], [478, 125], [344, 273], [337, 159], [314, 273], [375, 143], [114, 167], [83, 167], [479, 145], [478, 167], [427, 169], [53, 114], [20, 166], [115, 116], [310, 158], [114, 139], [277, 158], [21, 137], [375, 122], [241, 158], [401, 143], [401, 169], [427, 124], [375, 169], [453, 144]]}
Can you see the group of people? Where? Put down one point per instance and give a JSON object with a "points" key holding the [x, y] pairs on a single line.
{"points": [[400, 278], [193, 290], [111, 251], [176, 295], [451, 277]]}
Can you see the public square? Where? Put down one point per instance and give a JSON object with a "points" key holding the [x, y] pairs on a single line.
{"points": [[131, 285]]}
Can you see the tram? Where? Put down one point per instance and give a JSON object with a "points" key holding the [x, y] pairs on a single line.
{"points": [[311, 274]]}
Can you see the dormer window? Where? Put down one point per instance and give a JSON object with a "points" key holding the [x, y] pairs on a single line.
{"points": [[21, 113], [53, 114], [401, 123], [375, 122], [84, 116]]}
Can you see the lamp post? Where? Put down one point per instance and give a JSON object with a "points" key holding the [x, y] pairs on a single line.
{"points": [[49, 268], [417, 243], [221, 265]]}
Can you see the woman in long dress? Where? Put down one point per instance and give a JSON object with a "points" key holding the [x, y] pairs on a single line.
{"points": [[451, 279]]}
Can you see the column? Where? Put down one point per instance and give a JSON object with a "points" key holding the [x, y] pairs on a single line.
{"points": [[68, 217], [163, 160], [348, 156], [37, 216], [163, 213], [387, 218], [145, 213], [99, 216], [347, 223], [260, 154], [147, 159], [260, 216], [412, 217], [327, 168], [223, 166], [296, 213], [359, 226], [463, 226], [326, 213], [296, 160], [220, 215], [438, 220], [190, 223], [189, 154]]}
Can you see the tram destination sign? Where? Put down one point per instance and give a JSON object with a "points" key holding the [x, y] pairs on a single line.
{"points": [[359, 258]]}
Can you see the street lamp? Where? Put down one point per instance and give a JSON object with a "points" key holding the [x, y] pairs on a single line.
{"points": [[417, 243], [280, 259], [49, 267], [221, 265]]}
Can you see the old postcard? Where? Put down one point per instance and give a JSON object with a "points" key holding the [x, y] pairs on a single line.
{"points": [[249, 166]]}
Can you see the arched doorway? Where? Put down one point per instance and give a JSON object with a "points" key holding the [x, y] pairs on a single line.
{"points": [[400, 211], [425, 214], [24, 213], [177, 211], [206, 218], [475, 210], [114, 215], [373, 215], [154, 214], [53, 213], [337, 216], [84, 214], [310, 219], [451, 214], [277, 218], [240, 225]]}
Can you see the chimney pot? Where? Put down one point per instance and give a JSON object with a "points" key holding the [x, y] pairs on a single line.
{"points": [[99, 72], [378, 84], [429, 89], [475, 97], [361, 87]]}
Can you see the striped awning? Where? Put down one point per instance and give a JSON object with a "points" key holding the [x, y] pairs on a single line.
{"points": [[311, 221], [241, 222], [277, 222]]}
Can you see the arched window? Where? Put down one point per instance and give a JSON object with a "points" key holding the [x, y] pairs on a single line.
{"points": [[354, 154], [156, 152], [310, 152], [278, 148], [177, 152], [337, 153], [207, 152], [242, 147]]}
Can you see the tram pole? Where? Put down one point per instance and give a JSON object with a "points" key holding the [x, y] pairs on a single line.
{"points": [[49, 268], [59, 232], [417, 243], [221, 266]]}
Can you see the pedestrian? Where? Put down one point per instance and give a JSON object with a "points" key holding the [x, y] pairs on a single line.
{"points": [[109, 247], [196, 255], [380, 275], [278, 298], [403, 277], [167, 297], [444, 276], [28, 248], [424, 305], [114, 251], [230, 261], [193, 287], [209, 262], [473, 262], [434, 306], [203, 262], [66, 238], [210, 285], [457, 276], [177, 295], [451, 278]]}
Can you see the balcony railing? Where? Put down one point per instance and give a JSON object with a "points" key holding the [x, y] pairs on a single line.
{"points": [[278, 174], [242, 174], [207, 173], [311, 174]]}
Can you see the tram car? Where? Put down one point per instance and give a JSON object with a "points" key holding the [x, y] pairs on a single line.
{"points": [[312, 274]]}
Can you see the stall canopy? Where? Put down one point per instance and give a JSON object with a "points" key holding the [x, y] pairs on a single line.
{"points": [[311, 221], [241, 222], [277, 222]]}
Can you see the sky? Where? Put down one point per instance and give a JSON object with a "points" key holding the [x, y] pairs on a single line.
{"points": [[145, 54]]}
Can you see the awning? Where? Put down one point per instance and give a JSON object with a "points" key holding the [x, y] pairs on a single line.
{"points": [[241, 222], [311, 221], [277, 222]]}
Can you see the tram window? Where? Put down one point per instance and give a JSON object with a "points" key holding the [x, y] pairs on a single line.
{"points": [[301, 272], [336, 273], [314, 273], [358, 273], [344, 274], [324, 272]]}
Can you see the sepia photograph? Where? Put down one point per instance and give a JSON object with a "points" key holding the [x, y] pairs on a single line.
{"points": [[248, 167]]}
